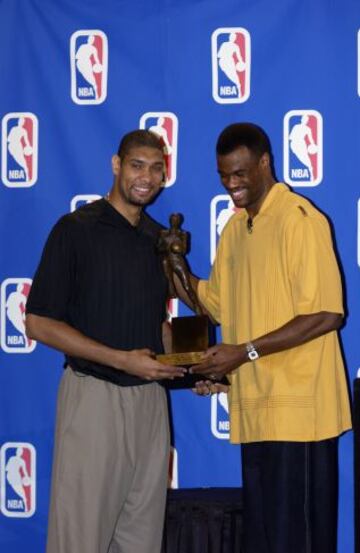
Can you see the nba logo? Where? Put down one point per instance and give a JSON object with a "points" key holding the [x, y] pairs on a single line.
{"points": [[14, 294], [165, 125], [18, 480], [173, 476], [220, 424], [303, 146], [172, 308], [231, 57], [83, 199], [19, 150], [221, 209], [89, 65]]}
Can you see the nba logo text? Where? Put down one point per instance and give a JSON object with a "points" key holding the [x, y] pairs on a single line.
{"points": [[19, 154], [220, 424], [231, 64], [165, 125], [83, 199], [14, 294], [303, 148], [89, 66], [221, 209], [18, 480]]}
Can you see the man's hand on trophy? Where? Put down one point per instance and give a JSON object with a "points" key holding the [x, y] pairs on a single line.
{"points": [[142, 363], [220, 360]]}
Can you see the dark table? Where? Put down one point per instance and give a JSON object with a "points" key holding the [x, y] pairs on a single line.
{"points": [[203, 520]]}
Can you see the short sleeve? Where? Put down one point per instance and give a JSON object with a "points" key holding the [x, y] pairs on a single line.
{"points": [[52, 284], [314, 272], [209, 290]]}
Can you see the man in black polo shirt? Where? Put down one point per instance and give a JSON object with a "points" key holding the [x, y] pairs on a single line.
{"points": [[99, 296]]}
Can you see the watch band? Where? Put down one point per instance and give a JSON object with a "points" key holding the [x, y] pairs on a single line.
{"points": [[251, 352]]}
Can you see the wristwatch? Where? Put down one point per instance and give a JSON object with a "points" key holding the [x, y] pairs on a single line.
{"points": [[251, 352]]}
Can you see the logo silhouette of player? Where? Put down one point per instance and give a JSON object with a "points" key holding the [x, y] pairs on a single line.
{"points": [[19, 145], [224, 216], [15, 309], [160, 130], [231, 61], [223, 400], [85, 56], [302, 143], [17, 475]]}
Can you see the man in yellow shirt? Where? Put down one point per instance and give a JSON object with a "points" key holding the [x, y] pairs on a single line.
{"points": [[275, 289]]}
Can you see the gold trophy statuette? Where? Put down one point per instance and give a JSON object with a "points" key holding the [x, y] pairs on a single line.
{"points": [[190, 335]]}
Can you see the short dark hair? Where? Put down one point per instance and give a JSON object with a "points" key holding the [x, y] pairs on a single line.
{"points": [[249, 135], [138, 138]]}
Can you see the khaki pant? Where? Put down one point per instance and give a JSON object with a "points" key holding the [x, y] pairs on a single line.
{"points": [[110, 467]]}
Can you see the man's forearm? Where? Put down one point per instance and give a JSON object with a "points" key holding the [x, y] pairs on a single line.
{"points": [[63, 337], [224, 358], [296, 332]]}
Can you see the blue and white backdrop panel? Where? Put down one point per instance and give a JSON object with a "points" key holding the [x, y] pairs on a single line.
{"points": [[75, 77]]}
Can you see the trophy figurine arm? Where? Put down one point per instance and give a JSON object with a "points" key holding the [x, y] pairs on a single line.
{"points": [[172, 293], [187, 292]]}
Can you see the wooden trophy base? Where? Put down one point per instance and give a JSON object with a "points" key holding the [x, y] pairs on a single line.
{"points": [[191, 336]]}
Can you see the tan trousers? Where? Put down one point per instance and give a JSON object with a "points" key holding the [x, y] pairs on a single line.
{"points": [[110, 467]]}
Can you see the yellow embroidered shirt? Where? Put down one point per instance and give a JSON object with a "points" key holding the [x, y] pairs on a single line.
{"points": [[261, 280]]}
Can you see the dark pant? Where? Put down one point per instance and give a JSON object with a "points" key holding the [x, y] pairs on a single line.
{"points": [[290, 497]]}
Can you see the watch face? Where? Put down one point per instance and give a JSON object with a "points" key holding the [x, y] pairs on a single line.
{"points": [[253, 355]]}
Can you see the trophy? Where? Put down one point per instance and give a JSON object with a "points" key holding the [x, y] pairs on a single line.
{"points": [[190, 335]]}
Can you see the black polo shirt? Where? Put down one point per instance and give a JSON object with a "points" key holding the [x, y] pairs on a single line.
{"points": [[104, 277]]}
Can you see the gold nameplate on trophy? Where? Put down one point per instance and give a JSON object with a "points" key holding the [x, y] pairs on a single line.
{"points": [[181, 359]]}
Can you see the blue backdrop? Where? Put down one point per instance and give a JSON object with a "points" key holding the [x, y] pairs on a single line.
{"points": [[75, 77]]}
